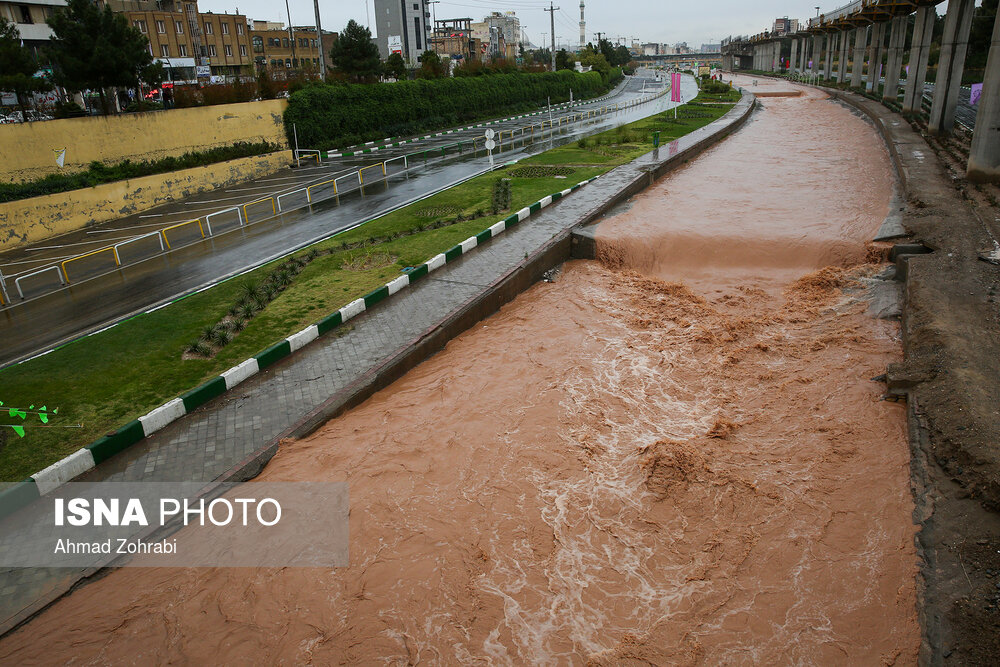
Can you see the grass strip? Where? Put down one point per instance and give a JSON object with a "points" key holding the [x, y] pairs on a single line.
{"points": [[104, 380]]}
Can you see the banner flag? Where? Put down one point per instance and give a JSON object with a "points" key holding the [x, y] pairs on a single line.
{"points": [[675, 87]]}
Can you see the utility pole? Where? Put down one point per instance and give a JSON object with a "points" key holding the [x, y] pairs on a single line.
{"points": [[319, 42], [552, 20], [599, 41], [291, 35]]}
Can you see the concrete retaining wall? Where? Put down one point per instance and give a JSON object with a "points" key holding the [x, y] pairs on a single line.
{"points": [[27, 149], [38, 218]]}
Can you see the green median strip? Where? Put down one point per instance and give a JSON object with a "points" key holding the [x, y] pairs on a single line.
{"points": [[104, 380]]}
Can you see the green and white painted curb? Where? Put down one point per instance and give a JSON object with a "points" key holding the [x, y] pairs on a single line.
{"points": [[23, 493]]}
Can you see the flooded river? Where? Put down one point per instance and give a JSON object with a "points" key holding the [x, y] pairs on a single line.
{"points": [[675, 455]]}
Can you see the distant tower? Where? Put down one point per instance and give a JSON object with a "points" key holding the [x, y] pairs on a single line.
{"points": [[583, 28]]}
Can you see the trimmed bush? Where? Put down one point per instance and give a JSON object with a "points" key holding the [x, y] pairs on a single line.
{"points": [[337, 115]]}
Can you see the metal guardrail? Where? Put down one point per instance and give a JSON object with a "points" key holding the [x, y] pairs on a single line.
{"points": [[243, 215]]}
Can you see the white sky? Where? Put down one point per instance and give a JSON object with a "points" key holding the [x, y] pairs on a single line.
{"points": [[666, 21]]}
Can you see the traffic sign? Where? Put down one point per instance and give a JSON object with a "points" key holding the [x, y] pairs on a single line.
{"points": [[490, 134], [490, 144]]}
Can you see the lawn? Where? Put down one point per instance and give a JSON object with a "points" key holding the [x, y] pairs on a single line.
{"points": [[104, 380]]}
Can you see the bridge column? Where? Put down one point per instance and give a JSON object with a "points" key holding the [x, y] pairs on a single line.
{"points": [[828, 64], [845, 42], [920, 51], [875, 57], [776, 58], [984, 156], [817, 50], [793, 60], [954, 44], [897, 39], [857, 68], [804, 60]]}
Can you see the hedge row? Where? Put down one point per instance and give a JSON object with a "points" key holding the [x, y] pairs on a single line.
{"points": [[99, 172], [336, 115]]}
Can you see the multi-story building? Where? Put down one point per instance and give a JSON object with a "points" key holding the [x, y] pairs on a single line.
{"points": [[710, 48], [403, 27], [281, 50], [29, 19], [453, 38], [191, 45]]}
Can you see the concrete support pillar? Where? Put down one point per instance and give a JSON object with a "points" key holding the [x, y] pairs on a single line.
{"points": [[806, 42], [984, 156], [817, 50], [793, 61], [828, 63], [920, 50], [897, 40], [875, 57], [776, 57], [845, 42], [954, 44], [857, 69]]}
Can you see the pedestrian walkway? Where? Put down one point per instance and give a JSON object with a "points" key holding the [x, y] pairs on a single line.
{"points": [[248, 421]]}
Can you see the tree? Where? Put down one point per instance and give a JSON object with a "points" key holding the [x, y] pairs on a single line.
{"points": [[622, 56], [395, 67], [17, 66], [598, 62], [355, 55], [981, 34], [95, 49], [431, 66], [562, 60]]}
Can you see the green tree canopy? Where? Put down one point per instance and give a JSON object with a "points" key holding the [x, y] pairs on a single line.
{"points": [[562, 60], [354, 55], [97, 49], [395, 67], [431, 66], [17, 66]]}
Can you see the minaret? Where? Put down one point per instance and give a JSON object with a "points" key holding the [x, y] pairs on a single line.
{"points": [[583, 28]]}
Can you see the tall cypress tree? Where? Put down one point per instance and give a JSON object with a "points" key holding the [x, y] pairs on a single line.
{"points": [[354, 55], [17, 66], [95, 49]]}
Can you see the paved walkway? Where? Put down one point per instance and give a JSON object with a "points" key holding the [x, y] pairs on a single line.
{"points": [[207, 443]]}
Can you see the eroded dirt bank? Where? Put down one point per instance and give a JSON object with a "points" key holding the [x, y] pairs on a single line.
{"points": [[676, 457]]}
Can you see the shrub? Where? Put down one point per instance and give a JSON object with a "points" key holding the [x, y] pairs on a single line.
{"points": [[339, 114]]}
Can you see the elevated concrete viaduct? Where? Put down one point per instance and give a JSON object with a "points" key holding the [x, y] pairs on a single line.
{"points": [[880, 30]]}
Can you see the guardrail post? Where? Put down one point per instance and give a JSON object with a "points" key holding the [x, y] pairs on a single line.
{"points": [[3, 290], [209, 225], [361, 180]]}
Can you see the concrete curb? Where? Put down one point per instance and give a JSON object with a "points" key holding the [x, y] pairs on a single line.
{"points": [[23, 493]]}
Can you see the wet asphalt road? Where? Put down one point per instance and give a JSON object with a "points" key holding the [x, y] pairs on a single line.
{"points": [[101, 295]]}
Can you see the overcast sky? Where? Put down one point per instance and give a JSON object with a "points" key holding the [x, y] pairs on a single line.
{"points": [[669, 21]]}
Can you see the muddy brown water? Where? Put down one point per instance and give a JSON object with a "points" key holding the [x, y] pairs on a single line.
{"points": [[674, 456]]}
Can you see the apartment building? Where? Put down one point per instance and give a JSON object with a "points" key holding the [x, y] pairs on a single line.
{"points": [[281, 50], [29, 17], [192, 45], [403, 27]]}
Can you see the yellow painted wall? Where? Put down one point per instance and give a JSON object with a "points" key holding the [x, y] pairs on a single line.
{"points": [[27, 149], [38, 218]]}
